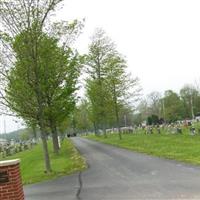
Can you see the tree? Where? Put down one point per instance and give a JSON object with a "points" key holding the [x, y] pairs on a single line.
{"points": [[120, 84], [62, 72], [24, 23], [191, 100], [173, 106], [99, 50], [126, 115], [25, 135], [143, 110], [109, 86], [153, 120], [17, 17], [82, 118], [155, 104], [58, 74], [99, 100]]}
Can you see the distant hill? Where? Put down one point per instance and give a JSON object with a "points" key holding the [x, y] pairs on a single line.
{"points": [[15, 135]]}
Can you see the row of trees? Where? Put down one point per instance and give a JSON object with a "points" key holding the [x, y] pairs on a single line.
{"points": [[154, 109], [110, 90], [40, 71], [109, 87], [171, 106]]}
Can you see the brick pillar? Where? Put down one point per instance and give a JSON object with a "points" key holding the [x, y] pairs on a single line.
{"points": [[10, 181]]}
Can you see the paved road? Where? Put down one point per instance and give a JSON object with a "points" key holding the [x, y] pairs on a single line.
{"points": [[117, 174]]}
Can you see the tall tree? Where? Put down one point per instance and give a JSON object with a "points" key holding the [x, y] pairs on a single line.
{"points": [[23, 16], [143, 109], [58, 74], [109, 85], [120, 85], [155, 104], [24, 23], [99, 101], [173, 106], [82, 117], [99, 50], [191, 99]]}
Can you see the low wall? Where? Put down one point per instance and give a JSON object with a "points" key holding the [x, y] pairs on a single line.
{"points": [[10, 180]]}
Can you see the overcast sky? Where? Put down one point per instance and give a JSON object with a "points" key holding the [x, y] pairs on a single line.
{"points": [[159, 38]]}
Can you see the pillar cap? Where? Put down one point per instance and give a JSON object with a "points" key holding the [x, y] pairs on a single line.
{"points": [[9, 162]]}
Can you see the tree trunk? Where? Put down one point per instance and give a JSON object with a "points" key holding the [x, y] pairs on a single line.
{"points": [[45, 150], [104, 131], [95, 129], [56, 147], [54, 132], [44, 139], [118, 126], [117, 114], [34, 132]]}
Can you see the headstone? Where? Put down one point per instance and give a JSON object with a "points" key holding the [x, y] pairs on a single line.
{"points": [[179, 130], [192, 131]]}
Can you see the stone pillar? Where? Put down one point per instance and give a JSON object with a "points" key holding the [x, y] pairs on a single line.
{"points": [[10, 180]]}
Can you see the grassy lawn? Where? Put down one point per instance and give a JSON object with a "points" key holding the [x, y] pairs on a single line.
{"points": [[184, 147], [32, 163]]}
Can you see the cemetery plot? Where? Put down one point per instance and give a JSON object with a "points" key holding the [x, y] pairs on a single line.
{"points": [[9, 148], [173, 141], [68, 161]]}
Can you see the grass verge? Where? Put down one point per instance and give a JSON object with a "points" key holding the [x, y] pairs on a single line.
{"points": [[32, 162], [185, 148]]}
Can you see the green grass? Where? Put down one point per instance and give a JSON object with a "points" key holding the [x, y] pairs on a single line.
{"points": [[32, 163], [184, 147]]}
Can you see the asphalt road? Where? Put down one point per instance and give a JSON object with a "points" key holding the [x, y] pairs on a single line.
{"points": [[119, 174]]}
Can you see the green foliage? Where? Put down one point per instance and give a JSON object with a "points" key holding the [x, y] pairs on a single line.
{"points": [[99, 99], [153, 120], [109, 87], [41, 83], [25, 135], [57, 74], [41, 86], [97, 93], [191, 100], [82, 117], [174, 108]]}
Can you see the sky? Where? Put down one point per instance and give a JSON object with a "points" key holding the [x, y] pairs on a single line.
{"points": [[159, 38]]}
